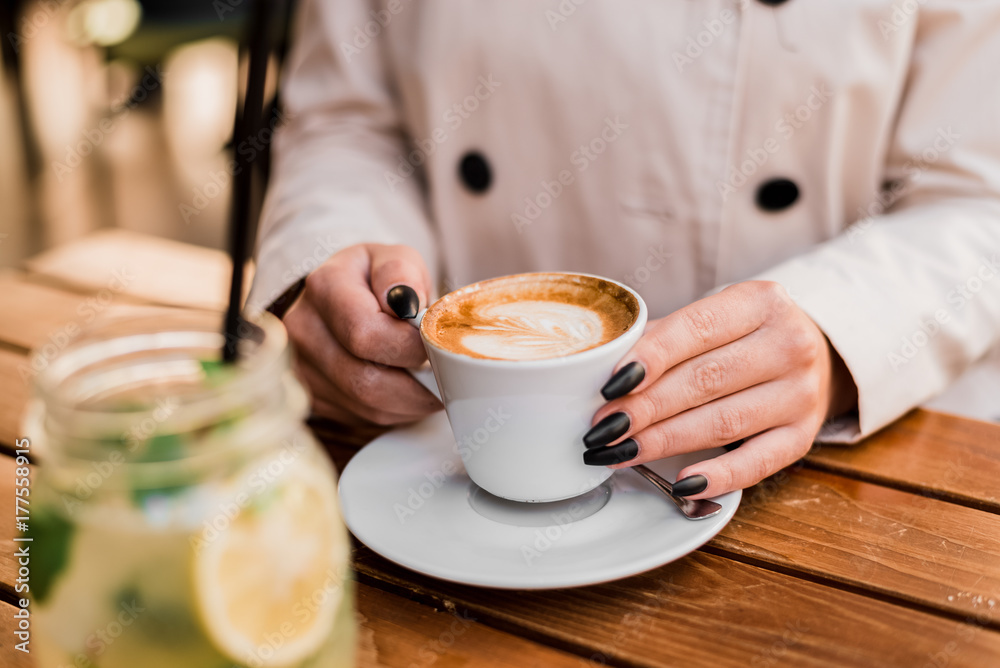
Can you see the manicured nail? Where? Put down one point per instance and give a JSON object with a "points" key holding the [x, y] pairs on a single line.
{"points": [[693, 484], [623, 382], [735, 444], [403, 301], [612, 427], [616, 454]]}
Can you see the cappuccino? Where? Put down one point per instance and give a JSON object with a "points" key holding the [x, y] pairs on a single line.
{"points": [[530, 316]]}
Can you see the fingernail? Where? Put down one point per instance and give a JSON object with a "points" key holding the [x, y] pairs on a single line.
{"points": [[612, 427], [693, 484], [623, 382], [732, 446], [616, 454], [403, 301]]}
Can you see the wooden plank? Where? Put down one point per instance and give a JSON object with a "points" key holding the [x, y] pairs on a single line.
{"points": [[10, 657], [32, 311], [874, 539], [150, 268], [15, 376], [708, 610], [54, 317], [934, 454], [47, 320], [398, 633], [8, 564]]}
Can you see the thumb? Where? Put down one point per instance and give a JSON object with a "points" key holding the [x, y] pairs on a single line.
{"points": [[400, 280]]}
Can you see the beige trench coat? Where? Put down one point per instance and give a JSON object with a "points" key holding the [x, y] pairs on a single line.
{"points": [[849, 150]]}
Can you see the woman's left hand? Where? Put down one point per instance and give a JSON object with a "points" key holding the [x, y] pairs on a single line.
{"points": [[745, 363]]}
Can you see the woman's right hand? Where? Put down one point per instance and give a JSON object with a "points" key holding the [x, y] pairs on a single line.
{"points": [[351, 351]]}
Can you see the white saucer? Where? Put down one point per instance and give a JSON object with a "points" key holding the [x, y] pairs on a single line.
{"points": [[407, 497]]}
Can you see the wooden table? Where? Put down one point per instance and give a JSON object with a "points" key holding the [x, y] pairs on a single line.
{"points": [[884, 554]]}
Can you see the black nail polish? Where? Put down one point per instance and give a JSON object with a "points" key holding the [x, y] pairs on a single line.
{"points": [[735, 444], [403, 301], [616, 454], [623, 382], [612, 427], [693, 484]]}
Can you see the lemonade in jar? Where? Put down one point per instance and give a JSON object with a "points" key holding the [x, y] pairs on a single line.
{"points": [[181, 513]]}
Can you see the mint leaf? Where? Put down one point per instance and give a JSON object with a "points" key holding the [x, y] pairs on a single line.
{"points": [[51, 535], [215, 371]]}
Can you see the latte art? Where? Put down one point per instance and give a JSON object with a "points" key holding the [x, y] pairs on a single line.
{"points": [[530, 316], [533, 330]]}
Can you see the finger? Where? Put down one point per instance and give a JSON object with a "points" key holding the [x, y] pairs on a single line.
{"points": [[328, 401], [325, 401], [343, 298], [741, 364], [702, 326], [370, 388], [759, 457], [394, 266], [321, 390], [720, 422]]}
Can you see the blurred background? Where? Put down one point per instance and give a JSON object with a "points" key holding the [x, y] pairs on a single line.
{"points": [[119, 113]]}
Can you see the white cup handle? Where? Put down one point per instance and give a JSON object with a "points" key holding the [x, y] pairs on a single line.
{"points": [[424, 375]]}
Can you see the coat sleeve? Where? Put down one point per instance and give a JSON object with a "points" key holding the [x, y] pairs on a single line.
{"points": [[334, 179], [910, 295]]}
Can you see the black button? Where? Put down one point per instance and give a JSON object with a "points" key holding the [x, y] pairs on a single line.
{"points": [[777, 194], [772, 3], [475, 172]]}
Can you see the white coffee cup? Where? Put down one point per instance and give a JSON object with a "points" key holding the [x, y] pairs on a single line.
{"points": [[519, 424]]}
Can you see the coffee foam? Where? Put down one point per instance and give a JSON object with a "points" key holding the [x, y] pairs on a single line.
{"points": [[530, 316]]}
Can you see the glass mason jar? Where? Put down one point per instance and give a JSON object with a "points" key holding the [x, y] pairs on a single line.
{"points": [[181, 513]]}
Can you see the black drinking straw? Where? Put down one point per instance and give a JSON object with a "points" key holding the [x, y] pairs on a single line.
{"points": [[258, 46]]}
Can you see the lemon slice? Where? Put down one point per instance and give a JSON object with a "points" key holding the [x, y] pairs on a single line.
{"points": [[269, 586]]}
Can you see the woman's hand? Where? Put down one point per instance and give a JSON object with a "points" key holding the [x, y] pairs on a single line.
{"points": [[350, 352], [745, 363]]}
